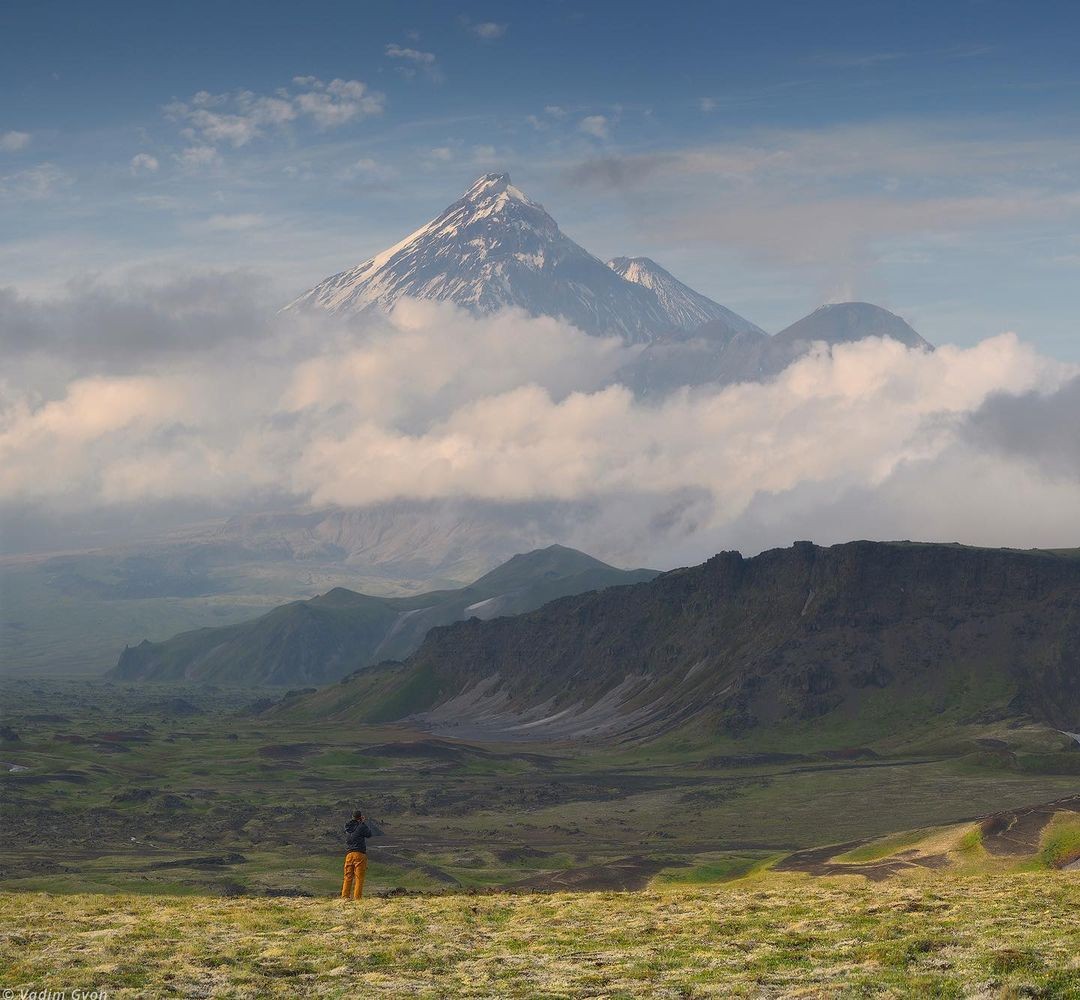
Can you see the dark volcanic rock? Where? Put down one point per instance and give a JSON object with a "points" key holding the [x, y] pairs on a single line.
{"points": [[207, 861], [892, 634], [178, 707]]}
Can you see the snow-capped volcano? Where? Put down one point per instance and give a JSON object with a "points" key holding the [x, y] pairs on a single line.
{"points": [[687, 309], [494, 248]]}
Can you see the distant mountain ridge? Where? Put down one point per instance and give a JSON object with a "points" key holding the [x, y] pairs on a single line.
{"points": [[320, 640], [866, 638], [713, 355], [848, 322]]}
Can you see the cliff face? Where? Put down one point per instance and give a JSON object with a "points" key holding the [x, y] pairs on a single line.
{"points": [[894, 632]]}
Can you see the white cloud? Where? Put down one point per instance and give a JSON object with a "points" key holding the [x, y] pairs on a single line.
{"points": [[12, 142], [411, 60], [238, 118], [38, 182], [339, 101], [594, 125], [197, 157], [853, 418], [144, 163], [488, 30], [247, 119], [552, 112], [412, 55], [870, 439]]}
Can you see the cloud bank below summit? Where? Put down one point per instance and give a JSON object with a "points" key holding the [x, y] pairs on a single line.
{"points": [[870, 440]]}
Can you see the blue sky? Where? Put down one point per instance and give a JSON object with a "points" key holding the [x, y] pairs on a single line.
{"points": [[925, 156]]}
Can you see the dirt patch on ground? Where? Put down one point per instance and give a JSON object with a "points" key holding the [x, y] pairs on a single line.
{"points": [[423, 749], [849, 753], [209, 861], [125, 736], [753, 759], [71, 777], [627, 874], [818, 861], [1018, 832], [512, 855]]}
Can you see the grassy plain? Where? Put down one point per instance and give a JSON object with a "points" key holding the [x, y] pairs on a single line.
{"points": [[986, 936], [173, 790]]}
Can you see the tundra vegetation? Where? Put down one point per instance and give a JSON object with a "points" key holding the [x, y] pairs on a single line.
{"points": [[928, 935]]}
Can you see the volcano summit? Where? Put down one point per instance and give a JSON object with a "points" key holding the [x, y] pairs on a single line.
{"points": [[494, 248]]}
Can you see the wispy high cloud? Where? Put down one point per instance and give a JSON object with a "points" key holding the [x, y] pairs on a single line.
{"points": [[234, 222], [197, 157], [837, 194], [236, 119], [12, 142], [598, 126], [859, 60], [872, 59], [553, 113], [367, 170], [411, 55], [144, 163], [411, 60], [38, 182], [488, 31], [335, 103]]}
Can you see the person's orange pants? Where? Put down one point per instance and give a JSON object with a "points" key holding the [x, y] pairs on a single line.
{"points": [[355, 870]]}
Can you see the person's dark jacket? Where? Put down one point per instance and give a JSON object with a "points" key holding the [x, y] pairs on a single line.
{"points": [[356, 835]]}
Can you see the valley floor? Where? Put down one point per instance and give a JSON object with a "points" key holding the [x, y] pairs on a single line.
{"points": [[987, 936]]}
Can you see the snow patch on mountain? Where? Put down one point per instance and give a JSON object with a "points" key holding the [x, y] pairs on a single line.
{"points": [[686, 309]]}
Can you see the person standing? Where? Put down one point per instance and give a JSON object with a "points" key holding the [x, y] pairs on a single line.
{"points": [[356, 833]]}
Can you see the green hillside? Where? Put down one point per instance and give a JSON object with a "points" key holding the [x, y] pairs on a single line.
{"points": [[320, 640]]}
